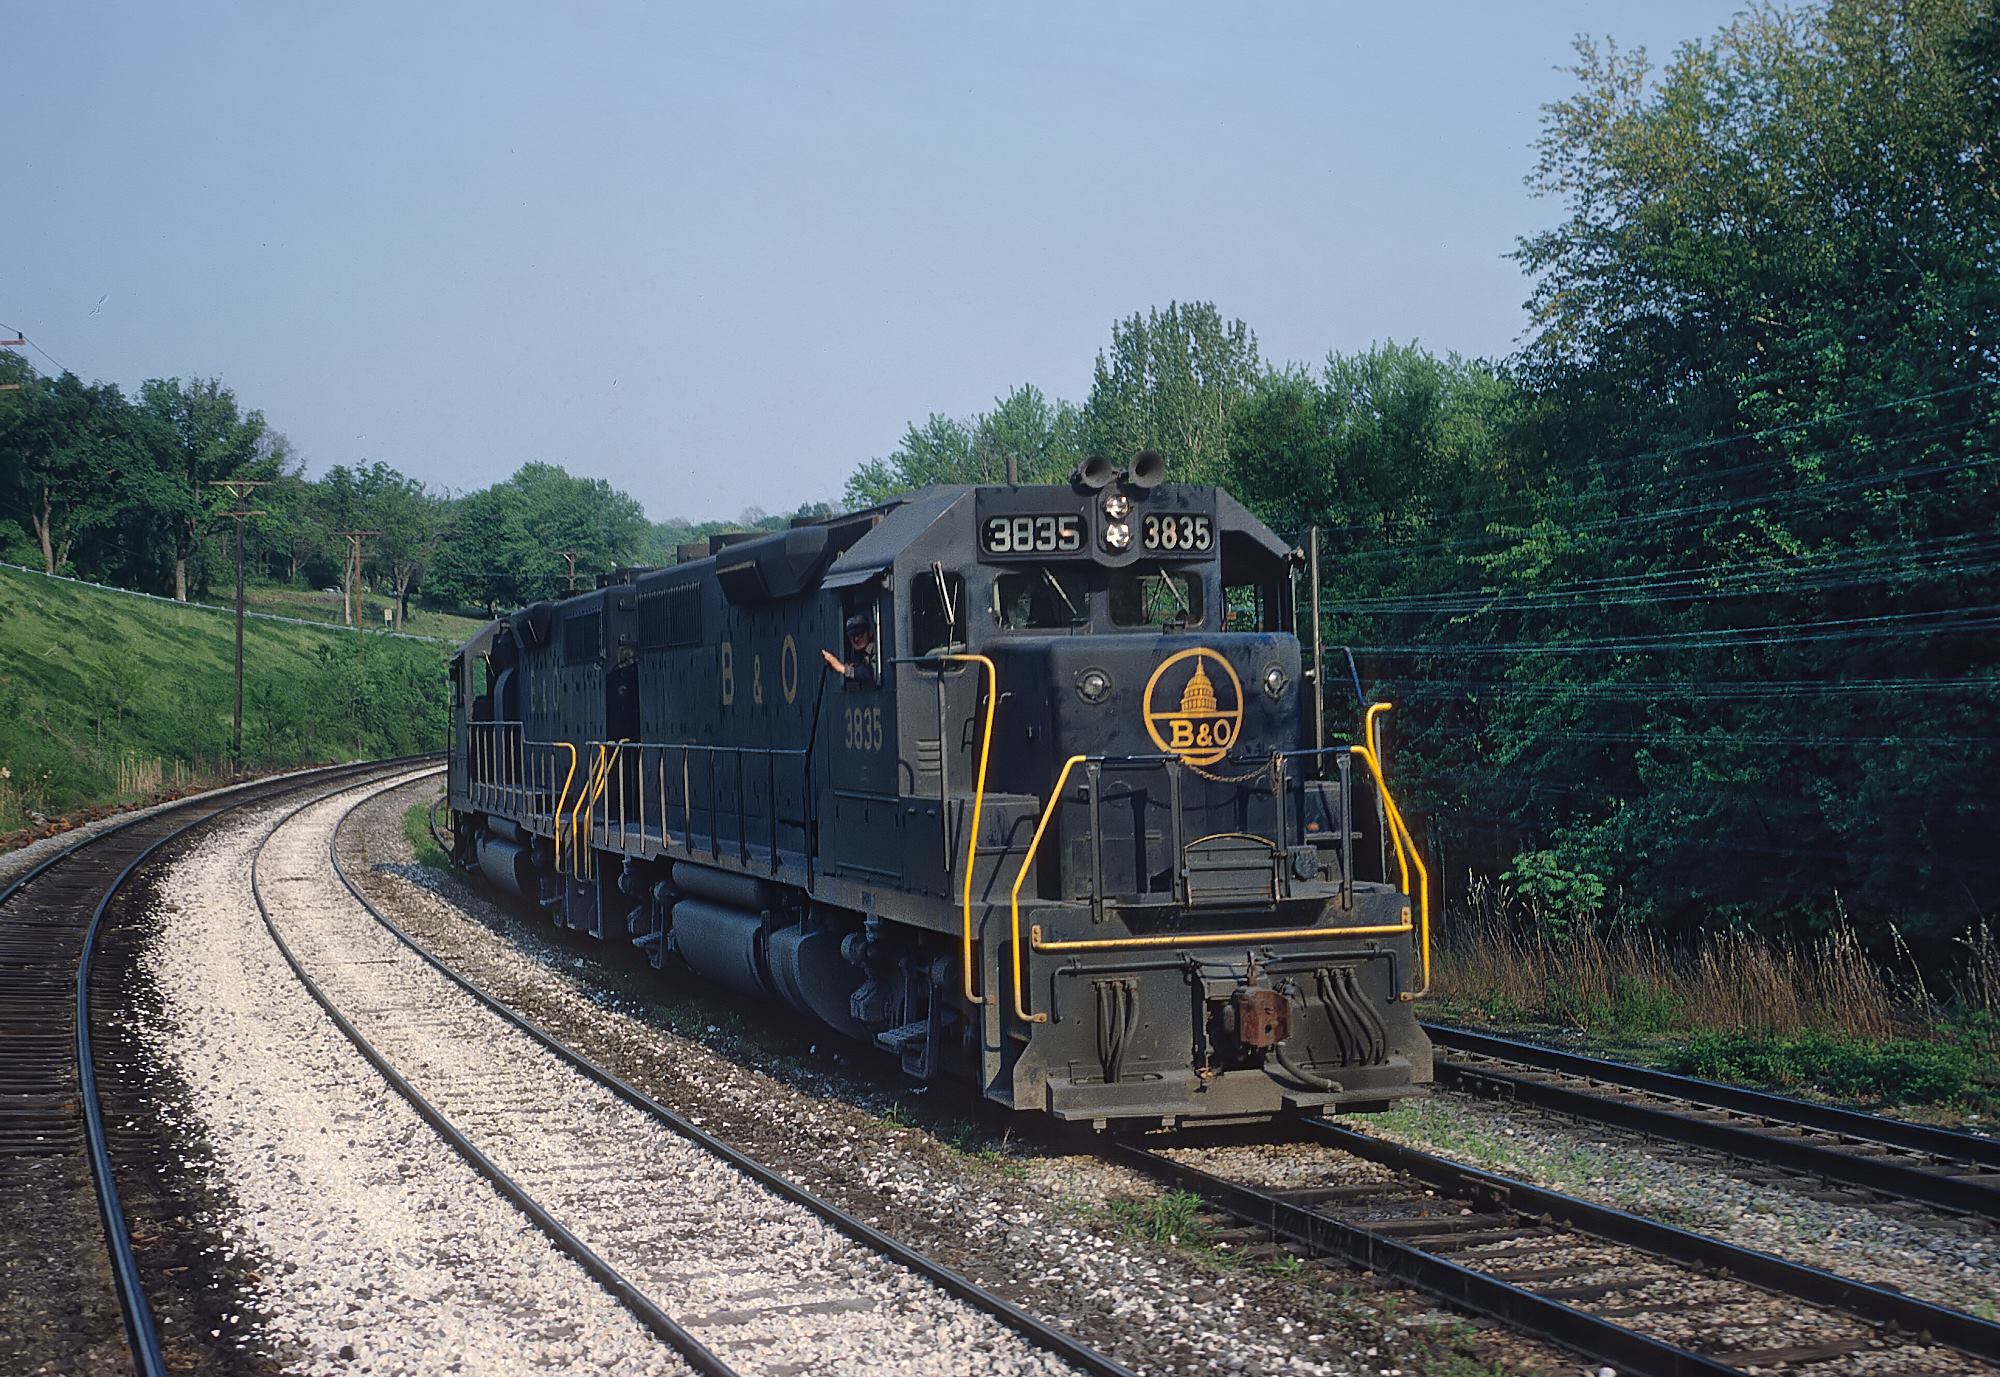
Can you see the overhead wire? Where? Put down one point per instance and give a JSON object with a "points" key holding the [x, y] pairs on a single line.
{"points": [[22, 335], [1593, 467]]}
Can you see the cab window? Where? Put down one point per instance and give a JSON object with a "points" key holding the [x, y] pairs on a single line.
{"points": [[1156, 598], [1041, 597], [937, 612], [1249, 607]]}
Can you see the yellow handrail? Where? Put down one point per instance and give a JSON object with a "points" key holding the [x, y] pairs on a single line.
{"points": [[1014, 898], [1406, 842], [600, 773], [1182, 939], [556, 821], [1399, 832], [1208, 939], [978, 805], [1374, 754], [576, 837]]}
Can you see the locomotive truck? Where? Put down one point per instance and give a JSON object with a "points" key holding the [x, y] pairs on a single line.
{"points": [[1058, 819]]}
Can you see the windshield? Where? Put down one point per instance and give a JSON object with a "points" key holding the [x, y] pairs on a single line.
{"points": [[1155, 598], [1041, 596]]}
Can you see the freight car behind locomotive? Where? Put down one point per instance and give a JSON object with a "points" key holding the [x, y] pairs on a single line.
{"points": [[1065, 827]]}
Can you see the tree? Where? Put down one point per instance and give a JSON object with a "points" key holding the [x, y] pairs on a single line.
{"points": [[504, 552], [1767, 369], [294, 531], [413, 522], [1041, 436], [197, 435], [1170, 383], [73, 461]]}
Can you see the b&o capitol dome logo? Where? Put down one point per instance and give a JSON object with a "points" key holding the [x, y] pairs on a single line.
{"points": [[1194, 706]]}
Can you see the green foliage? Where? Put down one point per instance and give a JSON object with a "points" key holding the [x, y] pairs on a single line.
{"points": [[506, 550], [196, 435], [1898, 1071], [104, 696], [1171, 382], [1173, 1218], [1040, 435], [417, 832], [1557, 896]]}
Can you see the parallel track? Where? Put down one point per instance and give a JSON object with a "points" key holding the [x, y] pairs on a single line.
{"points": [[1891, 1157], [702, 1358], [53, 1135], [1618, 1288]]}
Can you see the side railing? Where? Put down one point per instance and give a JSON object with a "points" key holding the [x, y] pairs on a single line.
{"points": [[1278, 773], [749, 804], [507, 773]]}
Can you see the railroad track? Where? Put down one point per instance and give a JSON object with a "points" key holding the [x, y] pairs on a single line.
{"points": [[1647, 1298], [64, 1295], [1937, 1167], [729, 1263]]}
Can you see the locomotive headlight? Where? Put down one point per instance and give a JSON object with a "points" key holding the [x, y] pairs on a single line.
{"points": [[1276, 681], [1093, 686], [1117, 506], [1118, 535]]}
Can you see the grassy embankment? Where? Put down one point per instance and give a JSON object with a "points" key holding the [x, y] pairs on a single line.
{"points": [[318, 605], [1816, 1017], [107, 698]]}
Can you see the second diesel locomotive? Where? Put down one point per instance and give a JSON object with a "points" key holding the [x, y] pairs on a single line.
{"points": [[1064, 828]]}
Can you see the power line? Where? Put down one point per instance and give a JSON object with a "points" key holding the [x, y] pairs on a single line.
{"points": [[1834, 629], [1640, 589], [1620, 522], [1592, 467], [20, 337], [1619, 691]]}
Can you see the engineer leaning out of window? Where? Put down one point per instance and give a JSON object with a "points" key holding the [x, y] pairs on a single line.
{"points": [[859, 666]]}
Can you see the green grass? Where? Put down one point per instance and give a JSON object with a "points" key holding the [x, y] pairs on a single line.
{"points": [[417, 830], [1960, 1072], [107, 698], [313, 604]]}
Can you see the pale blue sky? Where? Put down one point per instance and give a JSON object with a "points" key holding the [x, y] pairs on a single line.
{"points": [[720, 254]]}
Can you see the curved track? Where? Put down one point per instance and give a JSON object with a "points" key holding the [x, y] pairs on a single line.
{"points": [[1889, 1157], [55, 1149], [619, 1265]]}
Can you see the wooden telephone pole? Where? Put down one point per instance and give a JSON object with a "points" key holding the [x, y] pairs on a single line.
{"points": [[351, 606], [14, 343], [240, 489]]}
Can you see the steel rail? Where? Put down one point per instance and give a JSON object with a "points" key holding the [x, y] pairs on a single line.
{"points": [[698, 1355], [1037, 1331], [1326, 1235], [141, 1329], [1599, 1338], [1866, 1302], [1961, 1171], [1943, 1142]]}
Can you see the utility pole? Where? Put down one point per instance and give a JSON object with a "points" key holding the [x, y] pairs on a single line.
{"points": [[240, 489], [572, 556], [14, 343], [350, 607]]}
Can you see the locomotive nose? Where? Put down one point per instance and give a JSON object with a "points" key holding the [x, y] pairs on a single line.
{"points": [[1202, 699]]}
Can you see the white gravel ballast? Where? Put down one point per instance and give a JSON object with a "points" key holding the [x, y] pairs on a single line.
{"points": [[380, 1250], [758, 1279]]}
